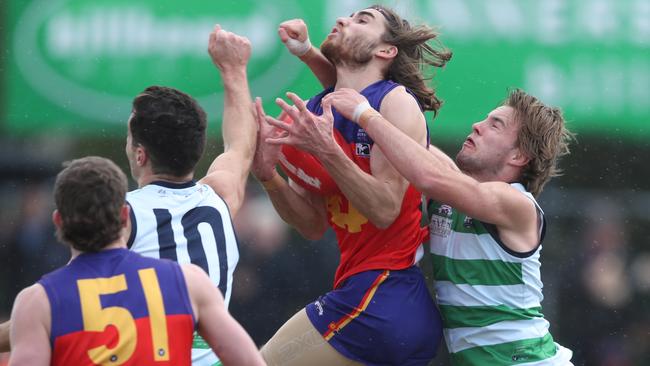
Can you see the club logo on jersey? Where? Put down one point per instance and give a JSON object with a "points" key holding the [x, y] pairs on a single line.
{"points": [[362, 149], [441, 221], [440, 226], [468, 222], [444, 210]]}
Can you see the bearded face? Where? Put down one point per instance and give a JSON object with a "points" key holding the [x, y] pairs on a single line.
{"points": [[352, 51]]}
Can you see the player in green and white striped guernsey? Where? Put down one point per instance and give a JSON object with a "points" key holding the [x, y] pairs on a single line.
{"points": [[486, 227], [489, 295]]}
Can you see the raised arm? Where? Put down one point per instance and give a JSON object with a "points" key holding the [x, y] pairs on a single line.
{"points": [[434, 175], [297, 207], [293, 33], [228, 172], [30, 328], [377, 196], [224, 334]]}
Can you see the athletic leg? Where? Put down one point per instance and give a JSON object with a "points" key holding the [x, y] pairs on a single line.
{"points": [[298, 343]]}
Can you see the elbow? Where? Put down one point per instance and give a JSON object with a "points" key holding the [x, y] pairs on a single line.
{"points": [[387, 216], [311, 236], [422, 181], [425, 184], [312, 232], [384, 223]]}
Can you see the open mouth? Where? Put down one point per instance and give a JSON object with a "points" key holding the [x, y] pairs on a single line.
{"points": [[469, 142], [333, 32]]}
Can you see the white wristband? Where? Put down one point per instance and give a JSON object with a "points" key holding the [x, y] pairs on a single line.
{"points": [[298, 48], [358, 111]]}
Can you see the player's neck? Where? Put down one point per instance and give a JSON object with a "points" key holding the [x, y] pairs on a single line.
{"points": [[503, 175], [119, 243], [148, 178], [357, 78]]}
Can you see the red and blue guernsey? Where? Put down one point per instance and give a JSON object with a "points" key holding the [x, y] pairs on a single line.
{"points": [[363, 246], [116, 307]]}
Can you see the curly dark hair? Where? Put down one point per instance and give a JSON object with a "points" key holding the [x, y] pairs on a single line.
{"points": [[171, 126], [89, 194]]}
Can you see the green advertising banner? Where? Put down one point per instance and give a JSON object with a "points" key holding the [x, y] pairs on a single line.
{"points": [[73, 66]]}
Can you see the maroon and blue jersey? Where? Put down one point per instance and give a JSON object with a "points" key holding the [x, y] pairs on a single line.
{"points": [[363, 246], [117, 307]]}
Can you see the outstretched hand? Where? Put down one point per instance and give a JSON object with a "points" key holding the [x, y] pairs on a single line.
{"points": [[308, 132], [228, 50], [266, 155]]}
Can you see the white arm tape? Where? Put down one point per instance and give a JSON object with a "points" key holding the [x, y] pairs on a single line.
{"points": [[298, 48], [358, 111]]}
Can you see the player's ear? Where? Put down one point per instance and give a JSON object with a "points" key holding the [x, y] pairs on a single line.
{"points": [[387, 52], [141, 156], [124, 215], [519, 158], [56, 219]]}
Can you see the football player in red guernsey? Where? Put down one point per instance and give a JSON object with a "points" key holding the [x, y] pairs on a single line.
{"points": [[379, 311]]}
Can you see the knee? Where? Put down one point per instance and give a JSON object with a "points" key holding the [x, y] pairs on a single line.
{"points": [[266, 352]]}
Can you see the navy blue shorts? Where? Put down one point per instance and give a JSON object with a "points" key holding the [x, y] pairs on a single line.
{"points": [[380, 317]]}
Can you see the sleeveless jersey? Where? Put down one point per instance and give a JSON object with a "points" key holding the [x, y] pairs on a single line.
{"points": [[116, 307], [489, 296], [363, 246], [186, 223]]}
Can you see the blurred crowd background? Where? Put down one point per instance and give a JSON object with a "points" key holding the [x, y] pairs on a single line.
{"points": [[69, 69]]}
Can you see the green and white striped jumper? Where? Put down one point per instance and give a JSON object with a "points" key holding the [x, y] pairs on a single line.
{"points": [[489, 296]]}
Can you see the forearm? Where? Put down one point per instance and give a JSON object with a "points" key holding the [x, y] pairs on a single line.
{"points": [[322, 68], [375, 199], [237, 348], [239, 126], [413, 161], [294, 209]]}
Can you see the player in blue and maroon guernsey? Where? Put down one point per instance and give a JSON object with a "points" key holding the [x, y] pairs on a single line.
{"points": [[109, 305], [379, 311]]}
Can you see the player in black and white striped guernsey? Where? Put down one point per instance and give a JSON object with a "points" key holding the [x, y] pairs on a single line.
{"points": [[172, 215]]}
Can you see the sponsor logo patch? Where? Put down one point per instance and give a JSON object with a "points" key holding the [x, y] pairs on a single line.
{"points": [[362, 149]]}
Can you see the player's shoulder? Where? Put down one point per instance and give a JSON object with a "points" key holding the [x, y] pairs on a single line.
{"points": [[33, 295], [402, 110], [213, 182], [137, 194], [192, 270], [400, 97], [31, 308], [195, 276], [60, 274]]}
